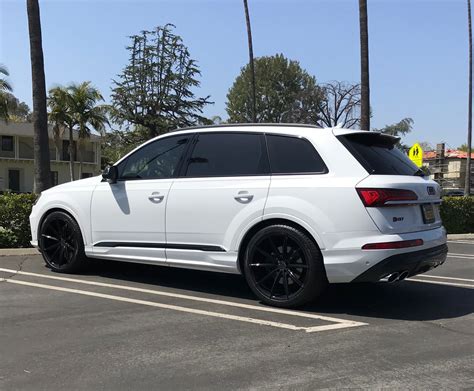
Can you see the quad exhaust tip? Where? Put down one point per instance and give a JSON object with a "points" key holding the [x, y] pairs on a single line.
{"points": [[396, 276]]}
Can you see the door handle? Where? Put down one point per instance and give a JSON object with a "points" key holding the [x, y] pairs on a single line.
{"points": [[243, 197], [155, 197]]}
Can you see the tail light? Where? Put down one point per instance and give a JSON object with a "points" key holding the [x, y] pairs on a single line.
{"points": [[380, 197], [393, 245]]}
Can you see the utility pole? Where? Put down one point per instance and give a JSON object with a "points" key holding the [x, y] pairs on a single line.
{"points": [[467, 184]]}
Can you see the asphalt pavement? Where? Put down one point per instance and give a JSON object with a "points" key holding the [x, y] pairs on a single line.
{"points": [[130, 326]]}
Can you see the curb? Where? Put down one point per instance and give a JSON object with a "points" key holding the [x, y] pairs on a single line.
{"points": [[460, 236], [5, 252]]}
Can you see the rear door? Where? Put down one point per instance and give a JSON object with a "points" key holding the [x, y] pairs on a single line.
{"points": [[398, 196], [223, 188]]}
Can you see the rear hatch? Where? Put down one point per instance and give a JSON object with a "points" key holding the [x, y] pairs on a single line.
{"points": [[396, 194]]}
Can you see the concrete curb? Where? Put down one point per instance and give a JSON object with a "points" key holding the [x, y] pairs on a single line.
{"points": [[5, 252], [460, 236]]}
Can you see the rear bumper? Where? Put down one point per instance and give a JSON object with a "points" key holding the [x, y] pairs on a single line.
{"points": [[415, 262]]}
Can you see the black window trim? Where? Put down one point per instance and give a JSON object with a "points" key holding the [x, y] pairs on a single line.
{"points": [[178, 168], [184, 167], [325, 171]]}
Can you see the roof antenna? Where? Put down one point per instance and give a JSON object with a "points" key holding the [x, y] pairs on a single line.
{"points": [[339, 125]]}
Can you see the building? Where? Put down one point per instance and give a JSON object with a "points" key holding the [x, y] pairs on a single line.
{"points": [[448, 167], [16, 157]]}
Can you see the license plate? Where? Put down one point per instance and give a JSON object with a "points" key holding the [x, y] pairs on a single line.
{"points": [[428, 211]]}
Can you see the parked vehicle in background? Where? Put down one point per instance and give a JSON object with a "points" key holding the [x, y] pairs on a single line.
{"points": [[453, 193], [292, 208]]}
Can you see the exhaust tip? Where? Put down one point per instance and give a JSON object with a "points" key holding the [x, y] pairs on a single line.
{"points": [[393, 277], [403, 275]]}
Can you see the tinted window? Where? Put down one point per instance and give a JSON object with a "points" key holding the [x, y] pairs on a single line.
{"points": [[7, 143], [228, 154], [156, 160], [378, 154], [293, 155]]}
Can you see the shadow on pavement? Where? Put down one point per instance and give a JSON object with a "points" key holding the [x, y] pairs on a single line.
{"points": [[406, 300]]}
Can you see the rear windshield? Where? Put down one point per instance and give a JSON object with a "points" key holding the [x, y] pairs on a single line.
{"points": [[378, 154]]}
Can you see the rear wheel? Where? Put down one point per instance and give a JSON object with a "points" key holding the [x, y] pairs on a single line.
{"points": [[61, 243], [284, 267]]}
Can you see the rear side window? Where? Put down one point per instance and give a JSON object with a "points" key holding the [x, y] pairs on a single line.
{"points": [[293, 155], [378, 154], [228, 154]]}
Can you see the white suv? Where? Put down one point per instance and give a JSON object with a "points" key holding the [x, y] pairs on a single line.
{"points": [[290, 207]]}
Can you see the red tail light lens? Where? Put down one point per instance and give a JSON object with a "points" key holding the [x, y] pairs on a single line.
{"points": [[393, 245], [379, 197]]}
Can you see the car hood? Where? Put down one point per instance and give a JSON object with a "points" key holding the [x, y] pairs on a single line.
{"points": [[81, 184]]}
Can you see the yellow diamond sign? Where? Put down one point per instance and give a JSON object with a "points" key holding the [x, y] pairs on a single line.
{"points": [[416, 154]]}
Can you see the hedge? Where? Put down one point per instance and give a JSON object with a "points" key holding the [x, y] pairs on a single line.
{"points": [[457, 214], [14, 219]]}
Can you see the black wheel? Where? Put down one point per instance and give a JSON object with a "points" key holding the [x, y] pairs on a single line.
{"points": [[284, 267], [61, 243]]}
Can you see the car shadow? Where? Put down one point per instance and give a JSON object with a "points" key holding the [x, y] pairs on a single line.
{"points": [[407, 300]]}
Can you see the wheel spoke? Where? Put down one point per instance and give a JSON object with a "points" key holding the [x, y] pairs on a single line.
{"points": [[263, 265], [297, 265], [266, 277], [54, 245], [294, 278], [293, 255], [50, 237], [285, 284], [272, 244], [274, 282]]}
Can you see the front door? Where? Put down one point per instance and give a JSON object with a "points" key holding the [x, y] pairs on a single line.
{"points": [[128, 217], [14, 180], [224, 189]]}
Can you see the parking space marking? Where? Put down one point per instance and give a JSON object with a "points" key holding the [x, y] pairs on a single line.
{"points": [[463, 256], [446, 278], [440, 283], [461, 241], [338, 322]]}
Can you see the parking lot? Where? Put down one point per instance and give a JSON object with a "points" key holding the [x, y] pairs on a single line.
{"points": [[123, 326]]}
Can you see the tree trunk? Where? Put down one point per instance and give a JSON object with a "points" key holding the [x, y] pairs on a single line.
{"points": [[364, 67], [252, 68], [40, 118], [467, 184], [71, 155]]}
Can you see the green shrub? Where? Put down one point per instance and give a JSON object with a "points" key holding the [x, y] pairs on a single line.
{"points": [[458, 214], [14, 219]]}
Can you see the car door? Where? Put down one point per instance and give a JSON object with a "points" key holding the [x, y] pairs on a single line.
{"points": [[222, 191], [128, 217]]}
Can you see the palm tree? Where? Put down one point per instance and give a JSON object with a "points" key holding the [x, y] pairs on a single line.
{"points": [[4, 87], [252, 68], [364, 67], [40, 119], [467, 183], [60, 116], [87, 113]]}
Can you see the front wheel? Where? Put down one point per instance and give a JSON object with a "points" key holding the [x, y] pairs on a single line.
{"points": [[61, 243], [284, 267]]}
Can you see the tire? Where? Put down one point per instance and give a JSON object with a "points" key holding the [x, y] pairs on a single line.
{"points": [[284, 267], [61, 243]]}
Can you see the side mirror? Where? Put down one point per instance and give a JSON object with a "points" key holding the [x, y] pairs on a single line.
{"points": [[110, 174]]}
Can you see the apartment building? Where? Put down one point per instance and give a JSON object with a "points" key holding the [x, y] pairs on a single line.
{"points": [[16, 157]]}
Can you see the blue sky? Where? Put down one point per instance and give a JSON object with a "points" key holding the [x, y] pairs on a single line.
{"points": [[418, 49]]}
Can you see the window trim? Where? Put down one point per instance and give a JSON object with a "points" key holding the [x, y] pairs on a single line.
{"points": [[178, 167], [194, 142], [325, 171]]}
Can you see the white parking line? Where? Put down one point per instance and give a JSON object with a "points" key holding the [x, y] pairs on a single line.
{"points": [[440, 283], [461, 241], [339, 323], [463, 256], [446, 278]]}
